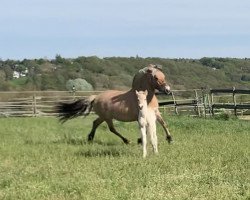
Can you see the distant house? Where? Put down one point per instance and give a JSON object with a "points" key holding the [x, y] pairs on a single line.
{"points": [[17, 74]]}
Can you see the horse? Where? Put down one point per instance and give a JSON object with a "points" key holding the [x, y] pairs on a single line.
{"points": [[119, 105], [160, 84], [147, 122]]}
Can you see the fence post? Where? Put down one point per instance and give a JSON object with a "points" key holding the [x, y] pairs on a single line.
{"points": [[204, 96], [197, 103], [211, 103], [234, 100], [175, 104], [34, 104]]}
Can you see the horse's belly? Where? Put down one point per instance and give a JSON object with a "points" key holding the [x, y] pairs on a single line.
{"points": [[116, 112], [125, 116]]}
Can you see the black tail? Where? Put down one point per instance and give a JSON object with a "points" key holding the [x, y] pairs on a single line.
{"points": [[80, 107]]}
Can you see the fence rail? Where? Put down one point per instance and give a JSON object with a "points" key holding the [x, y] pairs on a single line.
{"points": [[36, 103], [233, 90], [192, 102]]}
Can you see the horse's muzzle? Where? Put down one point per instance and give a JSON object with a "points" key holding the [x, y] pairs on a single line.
{"points": [[167, 89]]}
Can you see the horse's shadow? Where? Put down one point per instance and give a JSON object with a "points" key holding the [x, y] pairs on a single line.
{"points": [[99, 153], [105, 149], [71, 141], [96, 148], [82, 141]]}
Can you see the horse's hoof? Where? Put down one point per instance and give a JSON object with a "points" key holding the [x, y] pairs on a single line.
{"points": [[126, 141], [90, 139], [169, 139], [139, 141]]}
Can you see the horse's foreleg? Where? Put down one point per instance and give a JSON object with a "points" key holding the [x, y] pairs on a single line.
{"points": [[96, 123], [113, 130], [164, 125]]}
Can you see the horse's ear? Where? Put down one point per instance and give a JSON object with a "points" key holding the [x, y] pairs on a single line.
{"points": [[158, 67], [136, 92], [146, 92]]}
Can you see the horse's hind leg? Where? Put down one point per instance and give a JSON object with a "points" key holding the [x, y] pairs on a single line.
{"points": [[96, 123], [113, 130], [151, 129], [164, 125]]}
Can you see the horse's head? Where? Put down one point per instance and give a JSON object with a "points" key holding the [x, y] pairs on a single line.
{"points": [[142, 99], [159, 81], [152, 75]]}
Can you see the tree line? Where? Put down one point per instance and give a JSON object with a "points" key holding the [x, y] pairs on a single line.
{"points": [[93, 73]]}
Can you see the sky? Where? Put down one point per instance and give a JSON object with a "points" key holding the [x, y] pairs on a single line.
{"points": [[33, 29]]}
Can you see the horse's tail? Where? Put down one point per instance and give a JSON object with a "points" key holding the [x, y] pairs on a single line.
{"points": [[80, 107]]}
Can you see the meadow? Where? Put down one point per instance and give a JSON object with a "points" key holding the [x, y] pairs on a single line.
{"points": [[43, 159]]}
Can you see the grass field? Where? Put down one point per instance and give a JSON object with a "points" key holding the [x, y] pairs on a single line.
{"points": [[42, 159]]}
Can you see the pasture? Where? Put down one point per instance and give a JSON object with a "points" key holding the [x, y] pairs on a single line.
{"points": [[42, 159]]}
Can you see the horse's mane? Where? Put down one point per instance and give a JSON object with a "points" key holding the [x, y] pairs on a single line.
{"points": [[153, 67]]}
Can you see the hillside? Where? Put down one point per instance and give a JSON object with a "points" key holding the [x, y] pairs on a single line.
{"points": [[117, 72]]}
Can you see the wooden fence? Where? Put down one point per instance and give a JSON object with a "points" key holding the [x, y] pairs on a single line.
{"points": [[233, 104], [192, 102], [184, 101], [36, 103]]}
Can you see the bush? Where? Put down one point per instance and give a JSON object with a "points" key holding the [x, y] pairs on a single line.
{"points": [[245, 77], [211, 62], [79, 85]]}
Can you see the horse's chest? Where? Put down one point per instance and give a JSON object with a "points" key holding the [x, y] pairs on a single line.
{"points": [[142, 121]]}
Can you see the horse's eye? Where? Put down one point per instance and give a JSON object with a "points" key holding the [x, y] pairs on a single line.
{"points": [[156, 78]]}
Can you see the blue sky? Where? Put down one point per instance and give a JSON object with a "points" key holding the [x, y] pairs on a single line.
{"points": [[148, 28]]}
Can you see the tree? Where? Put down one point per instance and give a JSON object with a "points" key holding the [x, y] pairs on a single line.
{"points": [[59, 59], [211, 62], [8, 72]]}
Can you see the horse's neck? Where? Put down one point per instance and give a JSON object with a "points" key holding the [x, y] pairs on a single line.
{"points": [[141, 83], [150, 96], [143, 113]]}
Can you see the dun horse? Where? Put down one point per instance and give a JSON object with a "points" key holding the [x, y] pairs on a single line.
{"points": [[119, 105], [146, 121]]}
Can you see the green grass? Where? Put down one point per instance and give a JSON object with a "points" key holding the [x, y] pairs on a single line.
{"points": [[42, 159], [19, 82]]}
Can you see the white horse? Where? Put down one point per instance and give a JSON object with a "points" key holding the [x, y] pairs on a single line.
{"points": [[147, 122]]}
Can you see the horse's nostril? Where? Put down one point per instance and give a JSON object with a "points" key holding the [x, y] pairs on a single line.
{"points": [[167, 89]]}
